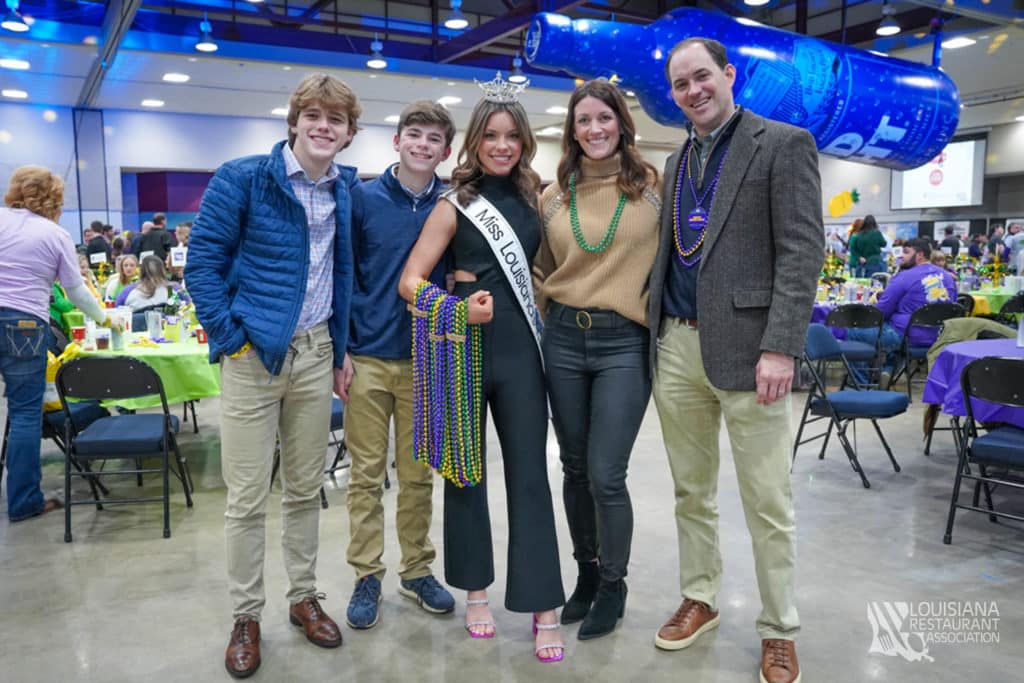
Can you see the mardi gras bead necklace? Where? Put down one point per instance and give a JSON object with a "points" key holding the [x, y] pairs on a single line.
{"points": [[697, 219], [574, 219], [447, 386]]}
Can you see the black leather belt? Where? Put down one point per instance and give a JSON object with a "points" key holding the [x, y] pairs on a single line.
{"points": [[686, 322], [587, 318]]}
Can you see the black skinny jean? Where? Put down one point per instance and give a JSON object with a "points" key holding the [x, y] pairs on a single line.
{"points": [[599, 386], [514, 389]]}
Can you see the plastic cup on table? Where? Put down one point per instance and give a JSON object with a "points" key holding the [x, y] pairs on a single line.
{"points": [[154, 324], [78, 334], [102, 338]]}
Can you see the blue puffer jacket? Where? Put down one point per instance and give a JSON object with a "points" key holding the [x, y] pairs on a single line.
{"points": [[248, 250]]}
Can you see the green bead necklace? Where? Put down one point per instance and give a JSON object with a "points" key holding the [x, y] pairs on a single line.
{"points": [[577, 231]]}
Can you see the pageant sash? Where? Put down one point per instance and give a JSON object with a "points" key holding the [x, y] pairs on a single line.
{"points": [[502, 240]]}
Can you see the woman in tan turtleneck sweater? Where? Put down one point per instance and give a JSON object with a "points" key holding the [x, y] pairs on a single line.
{"points": [[599, 242]]}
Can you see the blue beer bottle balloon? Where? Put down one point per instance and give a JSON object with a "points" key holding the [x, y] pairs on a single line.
{"points": [[858, 105]]}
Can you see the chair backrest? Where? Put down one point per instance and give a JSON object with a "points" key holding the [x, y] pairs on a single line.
{"points": [[993, 379], [882, 278], [101, 378], [855, 315], [1014, 305], [820, 343], [967, 301], [933, 315]]}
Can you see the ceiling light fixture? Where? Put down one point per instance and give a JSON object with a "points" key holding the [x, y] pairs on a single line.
{"points": [[279, 111], [456, 20], [517, 75], [1019, 118], [172, 77], [13, 21], [394, 118], [448, 100], [958, 42], [557, 110], [152, 103], [888, 26], [16, 64], [206, 43], [14, 94], [756, 3], [376, 60]]}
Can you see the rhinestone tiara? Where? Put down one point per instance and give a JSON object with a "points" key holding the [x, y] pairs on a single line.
{"points": [[500, 90]]}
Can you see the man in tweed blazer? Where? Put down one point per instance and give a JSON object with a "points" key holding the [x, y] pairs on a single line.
{"points": [[732, 288]]}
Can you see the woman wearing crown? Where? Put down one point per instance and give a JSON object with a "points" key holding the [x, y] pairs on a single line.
{"points": [[600, 238], [480, 346]]}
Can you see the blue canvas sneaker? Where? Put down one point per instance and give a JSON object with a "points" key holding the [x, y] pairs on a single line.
{"points": [[428, 594], [364, 607]]}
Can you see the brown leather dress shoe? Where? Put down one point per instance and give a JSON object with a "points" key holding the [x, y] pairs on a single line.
{"points": [[52, 504], [690, 620], [320, 629], [242, 657], [778, 661]]}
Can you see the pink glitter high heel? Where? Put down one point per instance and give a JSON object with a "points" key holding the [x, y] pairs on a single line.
{"points": [[553, 646], [480, 622]]}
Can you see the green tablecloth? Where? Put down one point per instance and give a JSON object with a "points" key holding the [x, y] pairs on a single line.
{"points": [[996, 297], [184, 369]]}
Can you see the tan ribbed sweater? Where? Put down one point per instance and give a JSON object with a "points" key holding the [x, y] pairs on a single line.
{"points": [[615, 279]]}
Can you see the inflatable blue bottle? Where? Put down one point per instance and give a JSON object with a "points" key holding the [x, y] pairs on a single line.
{"points": [[858, 105]]}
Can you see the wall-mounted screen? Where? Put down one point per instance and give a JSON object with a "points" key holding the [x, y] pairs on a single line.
{"points": [[955, 177]]}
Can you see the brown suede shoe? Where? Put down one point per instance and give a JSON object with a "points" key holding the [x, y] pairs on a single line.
{"points": [[320, 629], [242, 657], [778, 661], [690, 620]]}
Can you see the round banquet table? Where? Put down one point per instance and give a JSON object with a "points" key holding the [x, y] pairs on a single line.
{"points": [[943, 386], [183, 367], [990, 300]]}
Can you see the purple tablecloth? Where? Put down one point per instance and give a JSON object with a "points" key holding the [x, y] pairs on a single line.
{"points": [[943, 384]]}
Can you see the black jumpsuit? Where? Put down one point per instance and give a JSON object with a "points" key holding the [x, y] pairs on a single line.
{"points": [[513, 386]]}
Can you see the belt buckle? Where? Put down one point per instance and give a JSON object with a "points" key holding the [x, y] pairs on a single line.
{"points": [[584, 317]]}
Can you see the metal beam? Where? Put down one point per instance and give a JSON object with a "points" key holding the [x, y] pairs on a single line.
{"points": [[516, 19], [116, 22]]}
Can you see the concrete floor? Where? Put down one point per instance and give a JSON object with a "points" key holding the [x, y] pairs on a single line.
{"points": [[121, 603]]}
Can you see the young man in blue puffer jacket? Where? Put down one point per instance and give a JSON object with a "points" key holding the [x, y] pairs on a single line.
{"points": [[270, 271]]}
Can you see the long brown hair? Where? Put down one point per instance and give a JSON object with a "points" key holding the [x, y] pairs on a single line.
{"points": [[152, 275], [466, 175], [635, 174]]}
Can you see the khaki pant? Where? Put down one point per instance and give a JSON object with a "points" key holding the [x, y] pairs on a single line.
{"points": [[255, 407], [380, 389], [691, 409]]}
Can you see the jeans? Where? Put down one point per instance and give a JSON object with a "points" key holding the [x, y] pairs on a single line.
{"points": [[23, 366], [599, 385], [891, 339]]}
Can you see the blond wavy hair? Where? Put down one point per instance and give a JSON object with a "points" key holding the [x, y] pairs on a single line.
{"points": [[37, 189], [331, 93]]}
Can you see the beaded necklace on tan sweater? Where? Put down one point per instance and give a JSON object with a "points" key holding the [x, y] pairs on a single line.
{"points": [[614, 279]]}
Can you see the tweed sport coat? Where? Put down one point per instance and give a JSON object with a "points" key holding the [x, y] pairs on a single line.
{"points": [[762, 254]]}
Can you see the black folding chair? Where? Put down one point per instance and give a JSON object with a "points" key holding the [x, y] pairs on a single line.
{"points": [[967, 301], [999, 453], [842, 408], [911, 357], [1014, 305], [858, 316], [121, 437], [83, 414]]}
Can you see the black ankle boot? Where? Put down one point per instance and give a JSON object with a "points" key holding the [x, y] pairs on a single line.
{"points": [[586, 589], [608, 607]]}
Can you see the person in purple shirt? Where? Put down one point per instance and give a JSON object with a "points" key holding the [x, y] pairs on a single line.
{"points": [[919, 282], [36, 252]]}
